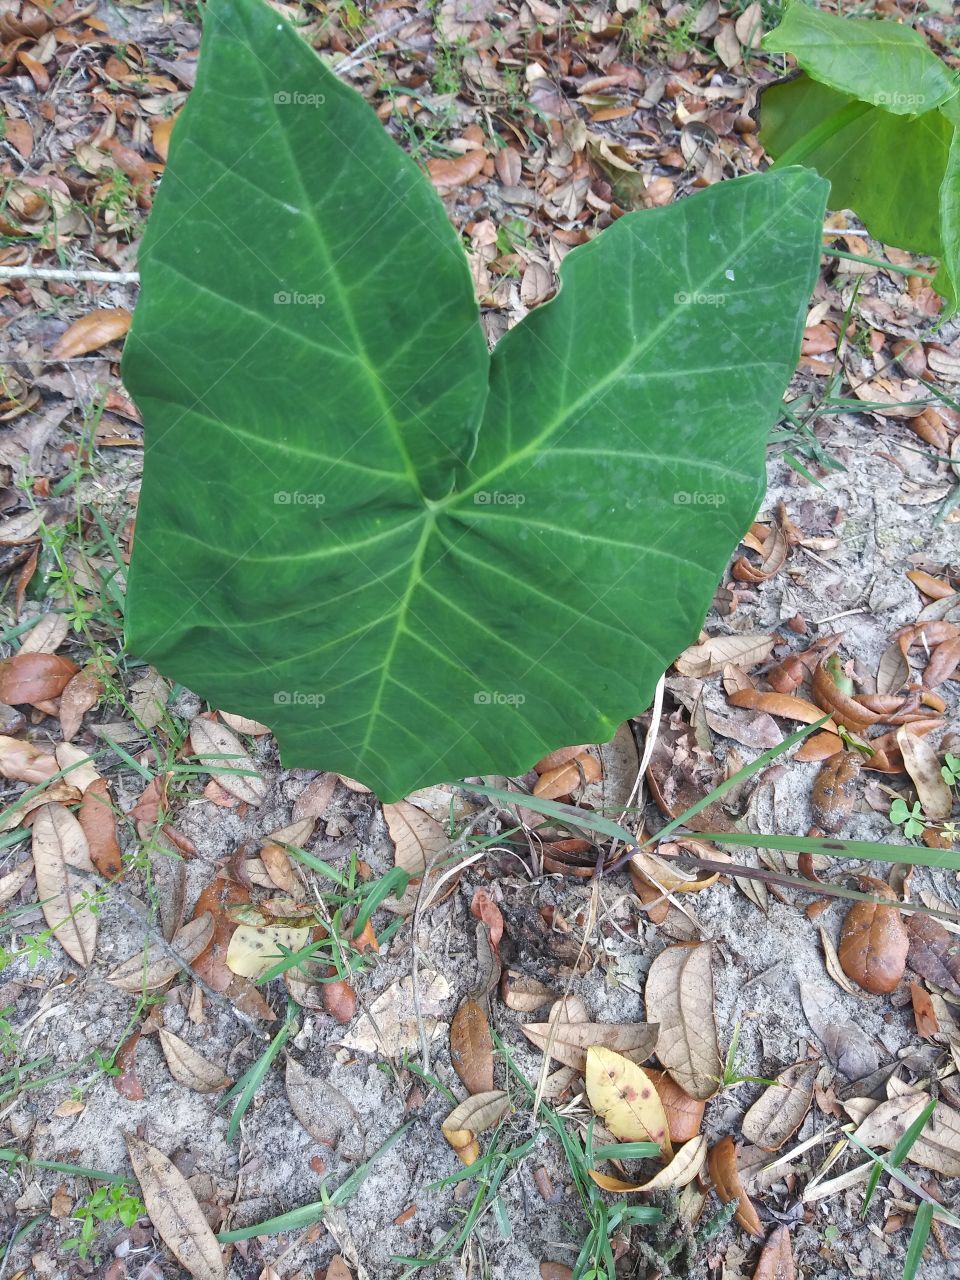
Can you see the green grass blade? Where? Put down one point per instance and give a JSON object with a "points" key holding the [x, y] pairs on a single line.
{"points": [[307, 1214], [875, 850], [918, 1240], [899, 1152]]}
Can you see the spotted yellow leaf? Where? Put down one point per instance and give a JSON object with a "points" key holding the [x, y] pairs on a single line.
{"points": [[624, 1097]]}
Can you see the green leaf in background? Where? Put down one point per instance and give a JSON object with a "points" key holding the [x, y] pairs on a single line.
{"points": [[876, 112], [887, 168], [880, 62], [319, 543]]}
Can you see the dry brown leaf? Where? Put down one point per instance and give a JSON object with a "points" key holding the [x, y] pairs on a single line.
{"points": [[681, 1170], [893, 671], [80, 696], [833, 966], [873, 946], [243, 724], [34, 677], [155, 968], [937, 1148], [920, 759], [457, 171], [845, 1043], [924, 1012], [189, 1068], [776, 1259], [780, 1110], [726, 1180], [418, 839], [175, 1213], [710, 656], [474, 1115], [99, 823], [392, 1016], [684, 1114], [60, 856], [25, 762], [90, 332], [679, 996], [77, 765], [635, 1040], [148, 698], [567, 778], [934, 952], [835, 791], [780, 704], [471, 1047], [523, 994], [218, 749], [47, 635], [13, 881], [321, 1108]]}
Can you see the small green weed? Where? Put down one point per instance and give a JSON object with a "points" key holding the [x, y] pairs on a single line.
{"points": [[114, 1203]]}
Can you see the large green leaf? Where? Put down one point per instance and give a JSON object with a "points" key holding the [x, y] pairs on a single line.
{"points": [[887, 168], [883, 63], [318, 547], [875, 113]]}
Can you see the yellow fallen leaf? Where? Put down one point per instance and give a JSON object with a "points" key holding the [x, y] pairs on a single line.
{"points": [[624, 1097], [252, 951]]}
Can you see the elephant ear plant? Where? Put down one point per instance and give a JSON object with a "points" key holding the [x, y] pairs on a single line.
{"points": [[414, 560], [876, 112]]}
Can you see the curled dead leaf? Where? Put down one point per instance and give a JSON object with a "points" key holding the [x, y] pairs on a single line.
{"points": [[523, 994], [726, 1179], [476, 1114], [681, 1170]]}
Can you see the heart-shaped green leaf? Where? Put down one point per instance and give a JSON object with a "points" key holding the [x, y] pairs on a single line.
{"points": [[343, 532], [879, 62], [877, 114]]}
